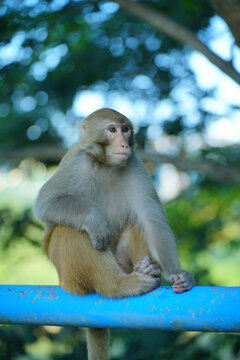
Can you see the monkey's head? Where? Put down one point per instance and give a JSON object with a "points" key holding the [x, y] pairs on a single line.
{"points": [[108, 137]]}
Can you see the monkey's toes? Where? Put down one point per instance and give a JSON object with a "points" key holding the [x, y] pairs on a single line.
{"points": [[148, 283], [147, 266]]}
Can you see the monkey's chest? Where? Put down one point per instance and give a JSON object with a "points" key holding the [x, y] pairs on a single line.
{"points": [[114, 205], [111, 196]]}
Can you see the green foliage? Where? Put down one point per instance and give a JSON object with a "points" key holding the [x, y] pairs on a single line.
{"points": [[41, 343], [66, 48], [16, 226], [53, 343], [207, 228]]}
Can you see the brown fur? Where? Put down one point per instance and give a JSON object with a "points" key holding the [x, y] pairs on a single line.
{"points": [[83, 269]]}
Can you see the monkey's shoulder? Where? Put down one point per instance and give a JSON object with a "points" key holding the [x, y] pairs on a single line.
{"points": [[74, 156], [136, 167]]}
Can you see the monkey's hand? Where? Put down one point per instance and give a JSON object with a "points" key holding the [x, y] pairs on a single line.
{"points": [[182, 282], [98, 229], [148, 267]]}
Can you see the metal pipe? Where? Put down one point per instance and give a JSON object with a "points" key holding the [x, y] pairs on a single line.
{"points": [[204, 308]]}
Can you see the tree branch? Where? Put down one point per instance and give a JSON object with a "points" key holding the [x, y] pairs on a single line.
{"points": [[177, 32], [42, 153], [229, 10], [210, 169]]}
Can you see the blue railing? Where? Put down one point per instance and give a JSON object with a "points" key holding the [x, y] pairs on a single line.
{"points": [[204, 308]]}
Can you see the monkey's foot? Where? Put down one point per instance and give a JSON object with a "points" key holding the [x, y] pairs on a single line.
{"points": [[147, 266], [146, 283], [182, 282], [134, 284]]}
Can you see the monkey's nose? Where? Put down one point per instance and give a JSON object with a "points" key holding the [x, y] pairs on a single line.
{"points": [[124, 146]]}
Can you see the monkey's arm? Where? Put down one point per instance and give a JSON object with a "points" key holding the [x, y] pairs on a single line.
{"points": [[161, 242], [158, 234], [160, 239], [77, 213], [61, 201]]}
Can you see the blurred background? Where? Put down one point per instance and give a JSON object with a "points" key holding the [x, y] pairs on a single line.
{"points": [[173, 68]]}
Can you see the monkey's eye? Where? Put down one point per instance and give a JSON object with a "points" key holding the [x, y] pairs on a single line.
{"points": [[126, 129], [112, 129]]}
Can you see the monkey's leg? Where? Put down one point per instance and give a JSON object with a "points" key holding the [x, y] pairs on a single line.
{"points": [[132, 253], [83, 269]]}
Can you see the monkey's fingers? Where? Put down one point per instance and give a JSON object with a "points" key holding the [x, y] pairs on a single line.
{"points": [[180, 281], [183, 282], [101, 243], [180, 287], [173, 278], [180, 290], [152, 270], [98, 244], [141, 264], [106, 242]]}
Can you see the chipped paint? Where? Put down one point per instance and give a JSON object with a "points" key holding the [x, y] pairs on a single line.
{"points": [[22, 293], [192, 312], [37, 297]]}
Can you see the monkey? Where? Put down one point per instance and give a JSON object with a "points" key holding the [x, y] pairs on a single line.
{"points": [[105, 228]]}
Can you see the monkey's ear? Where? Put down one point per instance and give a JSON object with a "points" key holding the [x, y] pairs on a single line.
{"points": [[95, 151], [82, 128]]}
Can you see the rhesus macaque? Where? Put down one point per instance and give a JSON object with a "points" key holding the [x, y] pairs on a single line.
{"points": [[105, 228]]}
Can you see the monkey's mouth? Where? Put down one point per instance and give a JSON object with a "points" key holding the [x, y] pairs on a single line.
{"points": [[122, 154]]}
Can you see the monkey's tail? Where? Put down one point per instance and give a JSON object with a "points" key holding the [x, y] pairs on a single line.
{"points": [[98, 343]]}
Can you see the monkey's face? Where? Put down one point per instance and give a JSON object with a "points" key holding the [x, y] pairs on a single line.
{"points": [[108, 136], [118, 143]]}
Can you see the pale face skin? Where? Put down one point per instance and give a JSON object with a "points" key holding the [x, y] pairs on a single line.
{"points": [[118, 150]]}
